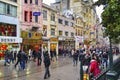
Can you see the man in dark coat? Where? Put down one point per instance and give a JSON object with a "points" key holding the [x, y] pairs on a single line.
{"points": [[6, 57], [47, 64], [18, 58], [39, 54]]}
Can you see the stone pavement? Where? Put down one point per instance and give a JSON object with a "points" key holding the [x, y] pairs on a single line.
{"points": [[62, 69]]}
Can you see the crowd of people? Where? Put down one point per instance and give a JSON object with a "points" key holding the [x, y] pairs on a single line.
{"points": [[93, 59]]}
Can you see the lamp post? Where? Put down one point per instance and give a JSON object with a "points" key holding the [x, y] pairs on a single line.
{"points": [[111, 74], [110, 55]]}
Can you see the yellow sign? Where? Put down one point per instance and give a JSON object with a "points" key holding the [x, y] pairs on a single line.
{"points": [[54, 39], [32, 41], [31, 35], [36, 35], [24, 34]]}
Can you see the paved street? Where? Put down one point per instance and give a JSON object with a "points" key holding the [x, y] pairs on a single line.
{"points": [[60, 70]]}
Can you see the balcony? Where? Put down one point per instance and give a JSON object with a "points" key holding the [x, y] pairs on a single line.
{"points": [[52, 22]]}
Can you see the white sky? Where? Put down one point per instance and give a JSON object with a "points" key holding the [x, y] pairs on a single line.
{"points": [[98, 9]]}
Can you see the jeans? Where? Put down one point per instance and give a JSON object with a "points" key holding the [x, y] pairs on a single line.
{"points": [[6, 61], [74, 62], [47, 72], [23, 64], [104, 62]]}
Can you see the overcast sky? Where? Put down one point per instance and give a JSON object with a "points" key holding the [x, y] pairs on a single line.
{"points": [[98, 9]]}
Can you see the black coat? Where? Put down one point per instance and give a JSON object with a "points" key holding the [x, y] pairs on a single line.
{"points": [[47, 61]]}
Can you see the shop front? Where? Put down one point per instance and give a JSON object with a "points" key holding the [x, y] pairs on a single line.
{"points": [[10, 43], [31, 40], [54, 44], [66, 43], [50, 44]]}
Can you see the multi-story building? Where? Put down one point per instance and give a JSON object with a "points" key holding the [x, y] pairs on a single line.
{"points": [[50, 28], [84, 12], [31, 24], [9, 25], [66, 33]]}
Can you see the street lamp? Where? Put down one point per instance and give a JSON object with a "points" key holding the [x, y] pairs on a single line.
{"points": [[111, 75]]}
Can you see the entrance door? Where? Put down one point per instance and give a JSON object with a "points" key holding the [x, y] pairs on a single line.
{"points": [[53, 46]]}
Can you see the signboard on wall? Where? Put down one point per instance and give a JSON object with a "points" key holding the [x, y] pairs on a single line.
{"points": [[36, 13], [54, 39]]}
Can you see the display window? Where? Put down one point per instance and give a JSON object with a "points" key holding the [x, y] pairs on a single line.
{"points": [[8, 29]]}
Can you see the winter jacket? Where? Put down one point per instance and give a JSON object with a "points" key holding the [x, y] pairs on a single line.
{"points": [[47, 61], [94, 68]]}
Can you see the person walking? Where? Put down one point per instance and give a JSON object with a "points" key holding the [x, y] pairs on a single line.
{"points": [[75, 58], [18, 58], [55, 54], [86, 61], [15, 54], [6, 57], [23, 60], [94, 67], [47, 64], [39, 54]]}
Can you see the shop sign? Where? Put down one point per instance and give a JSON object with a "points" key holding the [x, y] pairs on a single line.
{"points": [[31, 35], [54, 39], [10, 40], [24, 34], [32, 41]]}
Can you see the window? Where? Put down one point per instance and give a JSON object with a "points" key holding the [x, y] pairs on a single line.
{"points": [[36, 19], [2, 8], [25, 15], [60, 21], [72, 34], [66, 22], [60, 33], [25, 1], [13, 11], [30, 16], [30, 1], [14, 0], [36, 2], [44, 14], [66, 33], [71, 24], [53, 31], [8, 9], [52, 17]]}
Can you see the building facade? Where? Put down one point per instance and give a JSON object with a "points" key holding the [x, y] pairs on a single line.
{"points": [[9, 26], [66, 33], [31, 24], [86, 15], [50, 28]]}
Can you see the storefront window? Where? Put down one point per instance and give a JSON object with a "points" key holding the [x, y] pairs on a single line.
{"points": [[7, 29]]}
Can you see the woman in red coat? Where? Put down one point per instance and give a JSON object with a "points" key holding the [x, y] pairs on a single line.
{"points": [[94, 66]]}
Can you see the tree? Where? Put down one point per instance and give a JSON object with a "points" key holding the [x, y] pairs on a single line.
{"points": [[111, 18]]}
